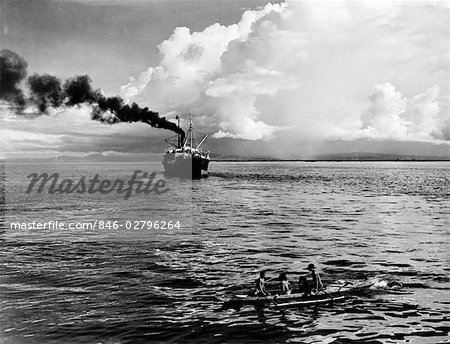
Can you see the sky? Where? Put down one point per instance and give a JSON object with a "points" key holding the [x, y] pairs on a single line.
{"points": [[288, 79]]}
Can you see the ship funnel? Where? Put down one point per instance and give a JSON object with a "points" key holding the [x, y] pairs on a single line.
{"points": [[179, 136]]}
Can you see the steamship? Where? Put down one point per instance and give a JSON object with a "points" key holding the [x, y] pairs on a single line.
{"points": [[185, 158]]}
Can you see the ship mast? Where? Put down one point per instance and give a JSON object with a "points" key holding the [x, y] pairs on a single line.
{"points": [[189, 137], [190, 128]]}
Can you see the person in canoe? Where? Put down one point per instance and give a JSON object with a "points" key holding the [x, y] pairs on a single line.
{"points": [[316, 281], [285, 286], [313, 286], [304, 286], [260, 287]]}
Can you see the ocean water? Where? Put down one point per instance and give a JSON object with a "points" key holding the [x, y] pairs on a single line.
{"points": [[354, 220]]}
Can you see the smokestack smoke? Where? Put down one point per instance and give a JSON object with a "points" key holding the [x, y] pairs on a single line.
{"points": [[13, 69], [129, 114], [78, 90], [46, 91], [112, 110]]}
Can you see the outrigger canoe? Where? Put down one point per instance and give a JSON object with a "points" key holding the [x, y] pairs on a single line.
{"points": [[294, 300], [331, 294]]}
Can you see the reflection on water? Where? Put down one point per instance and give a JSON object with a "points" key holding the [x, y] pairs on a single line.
{"points": [[354, 220]]}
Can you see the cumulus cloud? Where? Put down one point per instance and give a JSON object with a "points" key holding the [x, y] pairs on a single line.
{"points": [[390, 115], [422, 112], [214, 74], [383, 117], [309, 66]]}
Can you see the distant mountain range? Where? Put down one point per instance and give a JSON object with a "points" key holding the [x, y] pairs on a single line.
{"points": [[354, 156], [83, 159], [365, 156]]}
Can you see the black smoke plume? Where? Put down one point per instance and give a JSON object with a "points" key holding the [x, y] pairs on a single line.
{"points": [[13, 69], [129, 114], [78, 90], [46, 91], [111, 110]]}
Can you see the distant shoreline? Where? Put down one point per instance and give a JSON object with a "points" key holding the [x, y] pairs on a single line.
{"points": [[225, 160], [154, 158], [334, 160]]}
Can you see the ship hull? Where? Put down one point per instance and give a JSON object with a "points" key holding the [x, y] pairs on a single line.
{"points": [[185, 165]]}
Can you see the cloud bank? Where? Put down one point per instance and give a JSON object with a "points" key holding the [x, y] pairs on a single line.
{"points": [[334, 70], [392, 116]]}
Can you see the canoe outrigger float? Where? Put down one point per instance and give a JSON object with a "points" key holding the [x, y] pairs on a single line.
{"points": [[331, 294]]}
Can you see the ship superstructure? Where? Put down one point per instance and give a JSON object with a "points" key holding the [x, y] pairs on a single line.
{"points": [[185, 158]]}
